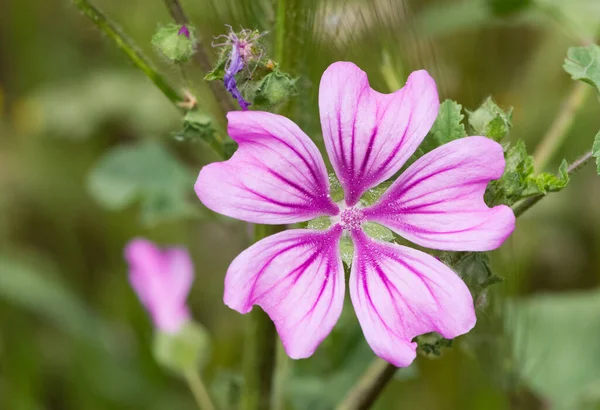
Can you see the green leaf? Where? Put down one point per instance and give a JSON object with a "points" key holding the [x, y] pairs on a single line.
{"points": [[511, 186], [555, 337], [145, 172], [547, 182], [490, 120], [198, 125], [583, 63], [33, 284], [184, 351], [447, 126], [596, 151], [474, 268]]}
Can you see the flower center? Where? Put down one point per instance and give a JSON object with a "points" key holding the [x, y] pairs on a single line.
{"points": [[352, 218]]}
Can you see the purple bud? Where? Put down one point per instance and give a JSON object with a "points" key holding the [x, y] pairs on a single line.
{"points": [[184, 31]]}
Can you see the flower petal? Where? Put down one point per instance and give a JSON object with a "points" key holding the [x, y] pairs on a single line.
{"points": [[369, 135], [277, 176], [438, 202], [297, 277], [162, 280], [399, 293]]}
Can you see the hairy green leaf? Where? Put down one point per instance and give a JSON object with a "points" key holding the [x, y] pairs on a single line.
{"points": [[146, 172], [555, 338], [583, 63], [447, 126], [490, 120]]}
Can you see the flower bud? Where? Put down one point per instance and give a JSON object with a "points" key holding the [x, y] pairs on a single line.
{"points": [[183, 351], [275, 89], [175, 42]]}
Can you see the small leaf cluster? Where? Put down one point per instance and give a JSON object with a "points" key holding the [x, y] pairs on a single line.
{"points": [[519, 180]]}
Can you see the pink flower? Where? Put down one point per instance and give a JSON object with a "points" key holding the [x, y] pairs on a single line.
{"points": [[278, 176], [162, 280]]}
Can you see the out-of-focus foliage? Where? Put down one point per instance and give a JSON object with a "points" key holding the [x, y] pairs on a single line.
{"points": [[555, 336], [145, 172], [75, 108]]}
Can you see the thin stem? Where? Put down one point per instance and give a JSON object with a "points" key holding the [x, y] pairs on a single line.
{"points": [[559, 129], [524, 205], [199, 390], [260, 349], [364, 393], [201, 59], [112, 31]]}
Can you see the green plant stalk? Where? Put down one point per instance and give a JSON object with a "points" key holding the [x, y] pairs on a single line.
{"points": [[199, 390], [559, 130], [364, 393], [113, 32], [201, 59], [279, 47], [259, 349], [263, 359], [282, 370]]}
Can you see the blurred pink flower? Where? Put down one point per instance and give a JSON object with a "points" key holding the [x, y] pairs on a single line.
{"points": [[162, 279], [278, 176]]}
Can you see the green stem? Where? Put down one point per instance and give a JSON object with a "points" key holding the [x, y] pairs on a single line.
{"points": [[201, 59], [280, 31], [367, 389], [282, 370], [260, 349], [199, 390], [559, 130], [113, 32], [364, 393]]}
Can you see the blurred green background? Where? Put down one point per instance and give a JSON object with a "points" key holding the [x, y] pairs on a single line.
{"points": [[88, 160]]}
